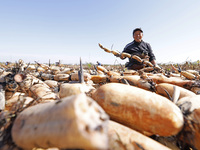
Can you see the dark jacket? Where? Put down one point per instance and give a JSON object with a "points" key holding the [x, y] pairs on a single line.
{"points": [[142, 49]]}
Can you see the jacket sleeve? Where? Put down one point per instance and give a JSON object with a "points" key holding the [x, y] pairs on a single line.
{"points": [[126, 50], [151, 54]]}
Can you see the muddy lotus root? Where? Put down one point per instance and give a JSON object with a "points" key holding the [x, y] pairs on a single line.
{"points": [[139, 109], [72, 122]]}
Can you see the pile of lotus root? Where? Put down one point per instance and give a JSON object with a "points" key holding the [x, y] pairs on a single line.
{"points": [[56, 107]]}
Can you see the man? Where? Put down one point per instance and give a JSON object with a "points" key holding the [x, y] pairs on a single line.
{"points": [[140, 48]]}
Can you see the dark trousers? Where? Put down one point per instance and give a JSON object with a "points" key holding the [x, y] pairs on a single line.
{"points": [[135, 67]]}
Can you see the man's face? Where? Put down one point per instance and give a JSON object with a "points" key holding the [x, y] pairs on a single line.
{"points": [[138, 36]]}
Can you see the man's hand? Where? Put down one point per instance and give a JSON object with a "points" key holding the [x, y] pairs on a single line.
{"points": [[156, 67], [122, 57]]}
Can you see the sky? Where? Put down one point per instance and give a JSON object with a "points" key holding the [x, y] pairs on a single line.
{"points": [[67, 30]]}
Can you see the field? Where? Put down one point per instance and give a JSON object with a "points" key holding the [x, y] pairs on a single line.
{"points": [[171, 90]]}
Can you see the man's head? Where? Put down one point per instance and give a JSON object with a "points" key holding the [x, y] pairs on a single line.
{"points": [[137, 34]]}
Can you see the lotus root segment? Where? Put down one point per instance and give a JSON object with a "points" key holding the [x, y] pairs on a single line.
{"points": [[139, 109], [73, 122]]}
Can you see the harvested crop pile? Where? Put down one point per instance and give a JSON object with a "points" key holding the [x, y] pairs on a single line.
{"points": [[59, 107]]}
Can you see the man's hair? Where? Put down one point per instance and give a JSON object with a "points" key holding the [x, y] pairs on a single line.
{"points": [[137, 29]]}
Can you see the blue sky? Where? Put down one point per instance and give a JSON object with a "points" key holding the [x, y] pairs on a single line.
{"points": [[39, 30]]}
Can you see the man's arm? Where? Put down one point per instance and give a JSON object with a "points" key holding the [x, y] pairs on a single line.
{"points": [[151, 54]]}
